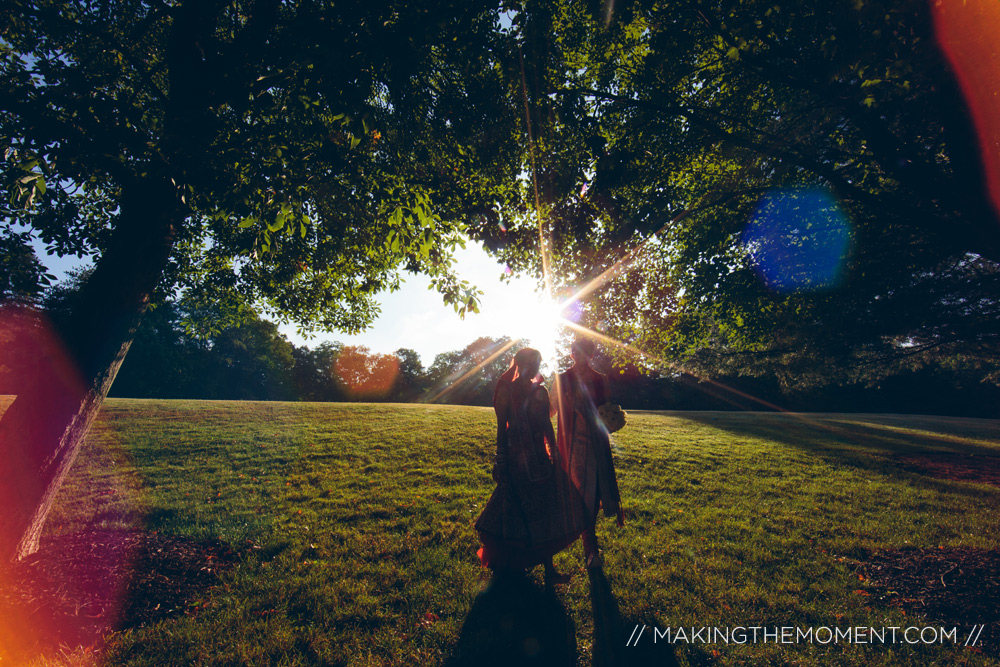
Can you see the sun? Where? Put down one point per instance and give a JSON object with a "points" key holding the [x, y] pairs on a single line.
{"points": [[539, 320]]}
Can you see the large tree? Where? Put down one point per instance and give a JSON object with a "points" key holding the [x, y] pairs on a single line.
{"points": [[694, 153], [290, 155], [791, 188]]}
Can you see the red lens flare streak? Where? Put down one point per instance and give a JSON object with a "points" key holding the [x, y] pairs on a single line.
{"points": [[63, 595], [966, 31]]}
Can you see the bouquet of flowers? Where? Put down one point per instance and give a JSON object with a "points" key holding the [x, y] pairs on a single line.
{"points": [[613, 416]]}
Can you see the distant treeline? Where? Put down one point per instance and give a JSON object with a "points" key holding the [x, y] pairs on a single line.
{"points": [[927, 391], [256, 362]]}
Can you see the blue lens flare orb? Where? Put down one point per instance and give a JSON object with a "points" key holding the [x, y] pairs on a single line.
{"points": [[573, 311], [798, 240]]}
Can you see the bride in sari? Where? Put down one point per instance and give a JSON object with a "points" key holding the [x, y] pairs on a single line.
{"points": [[534, 512]]}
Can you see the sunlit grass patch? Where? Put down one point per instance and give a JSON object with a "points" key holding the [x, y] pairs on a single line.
{"points": [[354, 525]]}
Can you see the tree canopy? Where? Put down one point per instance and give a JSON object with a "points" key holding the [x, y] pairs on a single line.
{"points": [[294, 156], [788, 188], [313, 152], [709, 146]]}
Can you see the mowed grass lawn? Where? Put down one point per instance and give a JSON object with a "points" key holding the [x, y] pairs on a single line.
{"points": [[354, 525]]}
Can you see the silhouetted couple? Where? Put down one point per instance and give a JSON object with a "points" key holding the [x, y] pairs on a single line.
{"points": [[549, 489]]}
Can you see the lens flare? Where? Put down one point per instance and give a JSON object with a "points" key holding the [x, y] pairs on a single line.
{"points": [[573, 311], [72, 591], [966, 31], [363, 375], [453, 385], [798, 240]]}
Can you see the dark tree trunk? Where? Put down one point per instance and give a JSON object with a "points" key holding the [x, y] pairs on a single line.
{"points": [[42, 430]]}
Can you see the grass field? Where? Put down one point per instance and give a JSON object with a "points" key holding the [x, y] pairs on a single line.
{"points": [[354, 526]]}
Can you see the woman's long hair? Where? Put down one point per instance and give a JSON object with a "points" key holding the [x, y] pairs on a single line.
{"points": [[526, 359]]}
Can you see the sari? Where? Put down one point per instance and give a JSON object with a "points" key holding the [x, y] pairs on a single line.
{"points": [[583, 442], [534, 511]]}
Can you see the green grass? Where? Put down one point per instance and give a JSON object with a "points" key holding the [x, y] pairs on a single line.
{"points": [[357, 520]]}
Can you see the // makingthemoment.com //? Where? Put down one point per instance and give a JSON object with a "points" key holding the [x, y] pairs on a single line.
{"points": [[756, 634]]}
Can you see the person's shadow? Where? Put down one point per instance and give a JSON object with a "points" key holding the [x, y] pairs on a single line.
{"points": [[516, 622], [613, 645]]}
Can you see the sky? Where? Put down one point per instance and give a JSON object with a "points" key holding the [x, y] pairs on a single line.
{"points": [[415, 317]]}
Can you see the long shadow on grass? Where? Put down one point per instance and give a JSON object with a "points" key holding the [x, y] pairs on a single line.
{"points": [[865, 441], [514, 622], [616, 641]]}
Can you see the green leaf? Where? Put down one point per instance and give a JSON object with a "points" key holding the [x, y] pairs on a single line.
{"points": [[278, 223]]}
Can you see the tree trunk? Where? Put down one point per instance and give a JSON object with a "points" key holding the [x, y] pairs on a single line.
{"points": [[42, 430]]}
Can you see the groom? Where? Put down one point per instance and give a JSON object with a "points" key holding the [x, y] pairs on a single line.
{"points": [[584, 447]]}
